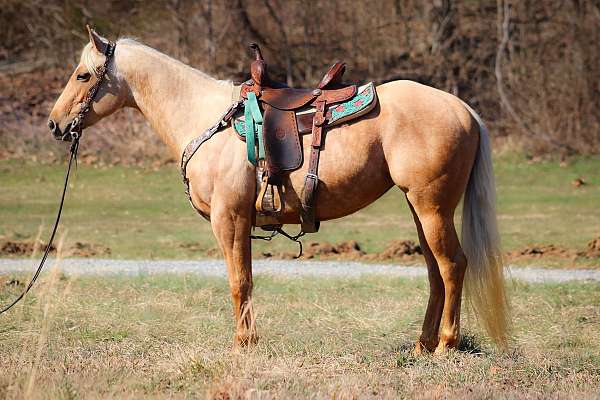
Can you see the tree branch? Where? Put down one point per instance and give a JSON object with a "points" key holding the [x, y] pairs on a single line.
{"points": [[503, 31]]}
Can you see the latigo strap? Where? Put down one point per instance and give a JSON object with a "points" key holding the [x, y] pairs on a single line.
{"points": [[309, 196]]}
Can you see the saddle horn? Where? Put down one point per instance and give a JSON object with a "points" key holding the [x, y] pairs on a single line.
{"points": [[256, 49], [258, 68]]}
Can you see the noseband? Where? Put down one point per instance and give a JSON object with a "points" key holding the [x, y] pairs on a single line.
{"points": [[77, 123]]}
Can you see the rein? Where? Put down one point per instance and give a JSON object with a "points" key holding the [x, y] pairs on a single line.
{"points": [[73, 151], [73, 135]]}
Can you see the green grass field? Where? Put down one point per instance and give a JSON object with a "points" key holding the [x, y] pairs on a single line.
{"points": [[143, 213], [171, 336]]}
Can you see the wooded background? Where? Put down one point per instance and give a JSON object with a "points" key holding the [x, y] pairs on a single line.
{"points": [[531, 68]]}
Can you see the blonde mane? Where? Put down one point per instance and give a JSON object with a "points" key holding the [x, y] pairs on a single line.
{"points": [[92, 59]]}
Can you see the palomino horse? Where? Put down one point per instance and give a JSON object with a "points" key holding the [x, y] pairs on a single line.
{"points": [[426, 142]]}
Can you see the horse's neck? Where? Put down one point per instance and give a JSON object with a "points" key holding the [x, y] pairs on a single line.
{"points": [[178, 101]]}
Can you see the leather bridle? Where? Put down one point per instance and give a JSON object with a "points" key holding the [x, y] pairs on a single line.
{"points": [[76, 126]]}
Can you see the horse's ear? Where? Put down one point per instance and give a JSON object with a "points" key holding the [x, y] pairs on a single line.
{"points": [[99, 43]]}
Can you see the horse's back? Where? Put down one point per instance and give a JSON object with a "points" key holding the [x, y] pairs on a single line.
{"points": [[415, 107]]}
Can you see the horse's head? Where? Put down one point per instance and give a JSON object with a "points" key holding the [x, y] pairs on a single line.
{"points": [[69, 113]]}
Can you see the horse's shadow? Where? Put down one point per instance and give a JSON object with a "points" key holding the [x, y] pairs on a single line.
{"points": [[469, 344]]}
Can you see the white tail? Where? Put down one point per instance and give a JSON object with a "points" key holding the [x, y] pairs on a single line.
{"points": [[484, 280]]}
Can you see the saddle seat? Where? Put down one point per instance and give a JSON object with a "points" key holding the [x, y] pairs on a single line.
{"points": [[287, 113]]}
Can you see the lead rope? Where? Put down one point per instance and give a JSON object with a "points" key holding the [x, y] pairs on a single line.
{"points": [[75, 134], [73, 157]]}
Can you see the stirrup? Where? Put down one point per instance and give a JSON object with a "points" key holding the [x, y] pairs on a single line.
{"points": [[270, 199]]}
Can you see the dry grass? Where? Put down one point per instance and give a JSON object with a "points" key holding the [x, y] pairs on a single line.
{"points": [[171, 336]]}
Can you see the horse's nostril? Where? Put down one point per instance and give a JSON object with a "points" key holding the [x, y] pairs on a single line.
{"points": [[51, 124]]}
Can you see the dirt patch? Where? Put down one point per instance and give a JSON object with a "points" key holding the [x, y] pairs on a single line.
{"points": [[20, 248], [11, 282], [194, 247], [593, 248], [554, 251], [347, 250], [82, 249], [546, 250], [350, 250], [399, 249], [578, 182], [409, 251]]}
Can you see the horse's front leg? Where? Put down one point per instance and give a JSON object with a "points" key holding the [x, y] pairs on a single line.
{"points": [[233, 234]]}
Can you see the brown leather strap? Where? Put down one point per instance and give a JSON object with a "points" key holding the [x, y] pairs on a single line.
{"points": [[195, 144], [308, 213], [335, 96]]}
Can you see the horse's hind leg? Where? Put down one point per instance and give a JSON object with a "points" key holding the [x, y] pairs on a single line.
{"points": [[429, 338], [440, 235]]}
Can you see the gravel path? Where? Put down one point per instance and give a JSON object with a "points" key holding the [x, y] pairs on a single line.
{"points": [[89, 266]]}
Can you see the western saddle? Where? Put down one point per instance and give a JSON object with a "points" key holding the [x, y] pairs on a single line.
{"points": [[276, 116]]}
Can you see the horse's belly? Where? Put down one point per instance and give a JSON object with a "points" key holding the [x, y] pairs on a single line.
{"points": [[352, 173]]}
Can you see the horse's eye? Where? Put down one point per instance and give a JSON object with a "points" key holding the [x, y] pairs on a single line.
{"points": [[84, 77]]}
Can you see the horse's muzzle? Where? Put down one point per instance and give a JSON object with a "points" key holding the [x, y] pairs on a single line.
{"points": [[66, 136], [54, 129]]}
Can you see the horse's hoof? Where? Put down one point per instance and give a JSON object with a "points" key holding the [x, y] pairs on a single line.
{"points": [[245, 339], [444, 348], [441, 349], [424, 346], [419, 349], [447, 343]]}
